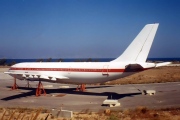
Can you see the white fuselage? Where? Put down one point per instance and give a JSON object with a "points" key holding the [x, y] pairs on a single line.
{"points": [[77, 72], [131, 61]]}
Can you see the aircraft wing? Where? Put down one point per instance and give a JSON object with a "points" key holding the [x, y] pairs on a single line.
{"points": [[37, 75]]}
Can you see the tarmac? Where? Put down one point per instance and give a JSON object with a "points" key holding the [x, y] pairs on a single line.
{"points": [[65, 96]]}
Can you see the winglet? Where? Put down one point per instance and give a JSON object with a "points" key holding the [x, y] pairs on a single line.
{"points": [[139, 49]]}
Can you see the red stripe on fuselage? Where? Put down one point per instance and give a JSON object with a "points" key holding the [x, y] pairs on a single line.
{"points": [[70, 69]]}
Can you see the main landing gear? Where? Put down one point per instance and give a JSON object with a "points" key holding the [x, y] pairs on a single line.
{"points": [[28, 84], [81, 87], [40, 90]]}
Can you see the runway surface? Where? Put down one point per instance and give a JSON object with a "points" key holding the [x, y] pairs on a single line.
{"points": [[167, 95]]}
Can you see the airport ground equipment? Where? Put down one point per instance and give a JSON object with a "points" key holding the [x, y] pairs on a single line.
{"points": [[111, 103]]}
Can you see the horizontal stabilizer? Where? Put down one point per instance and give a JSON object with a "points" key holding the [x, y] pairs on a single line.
{"points": [[163, 64]]}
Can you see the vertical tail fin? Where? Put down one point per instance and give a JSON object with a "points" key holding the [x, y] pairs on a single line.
{"points": [[139, 49]]}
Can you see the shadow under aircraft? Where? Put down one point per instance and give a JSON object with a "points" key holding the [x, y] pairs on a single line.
{"points": [[110, 95]]}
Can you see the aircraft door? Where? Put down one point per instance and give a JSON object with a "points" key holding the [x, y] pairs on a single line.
{"points": [[69, 70], [105, 70]]}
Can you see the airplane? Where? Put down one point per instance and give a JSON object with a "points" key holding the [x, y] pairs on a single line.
{"points": [[131, 61]]}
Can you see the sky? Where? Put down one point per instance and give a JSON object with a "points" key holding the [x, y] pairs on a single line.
{"points": [[85, 28]]}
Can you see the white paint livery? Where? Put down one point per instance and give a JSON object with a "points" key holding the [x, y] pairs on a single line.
{"points": [[131, 61]]}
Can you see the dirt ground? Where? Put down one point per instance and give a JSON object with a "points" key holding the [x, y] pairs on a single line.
{"points": [[155, 75], [139, 113]]}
